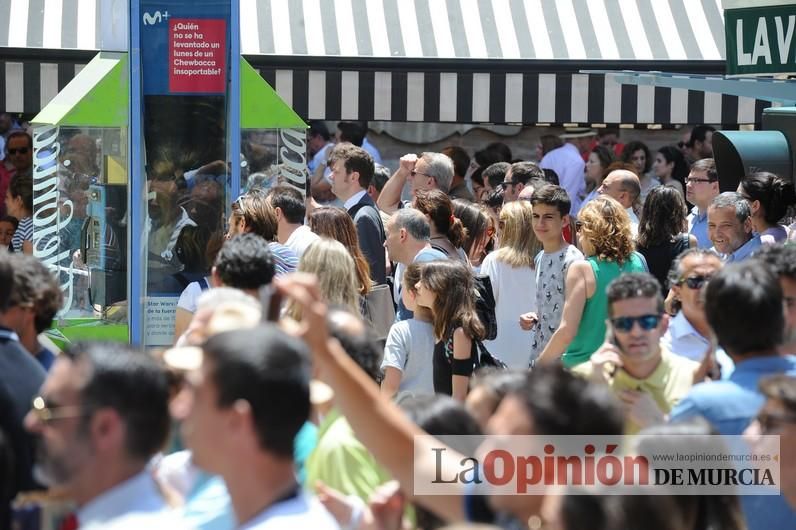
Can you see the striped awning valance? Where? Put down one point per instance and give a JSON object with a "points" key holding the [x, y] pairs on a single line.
{"points": [[500, 98], [51, 24], [27, 86], [572, 30]]}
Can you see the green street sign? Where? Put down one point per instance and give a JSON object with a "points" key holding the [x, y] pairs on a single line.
{"points": [[761, 40]]}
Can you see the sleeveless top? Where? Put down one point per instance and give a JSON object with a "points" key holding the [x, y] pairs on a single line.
{"points": [[660, 258], [591, 332]]}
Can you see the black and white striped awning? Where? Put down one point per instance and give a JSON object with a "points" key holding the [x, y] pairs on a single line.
{"points": [[27, 86], [51, 24], [500, 98], [569, 30]]}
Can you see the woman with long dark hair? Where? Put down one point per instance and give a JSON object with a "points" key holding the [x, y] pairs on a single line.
{"points": [[671, 168], [596, 171], [638, 154], [448, 234], [447, 288], [769, 197], [663, 232], [476, 222]]}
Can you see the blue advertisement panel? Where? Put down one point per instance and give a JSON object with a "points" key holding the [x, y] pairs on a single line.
{"points": [[184, 46]]}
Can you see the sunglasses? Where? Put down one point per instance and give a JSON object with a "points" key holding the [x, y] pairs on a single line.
{"points": [[625, 324], [415, 173], [695, 282], [45, 412], [771, 422], [695, 181], [20, 150]]}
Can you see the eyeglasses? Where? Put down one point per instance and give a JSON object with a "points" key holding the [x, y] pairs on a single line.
{"points": [[695, 282], [20, 150], [625, 324], [578, 226], [45, 412], [695, 180], [415, 172], [770, 422]]}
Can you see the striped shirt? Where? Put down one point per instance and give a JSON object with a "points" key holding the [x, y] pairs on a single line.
{"points": [[23, 233]]}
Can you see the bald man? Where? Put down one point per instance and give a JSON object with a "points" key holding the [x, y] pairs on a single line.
{"points": [[624, 186]]}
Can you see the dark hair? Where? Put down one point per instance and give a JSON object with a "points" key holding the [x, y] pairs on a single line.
{"points": [[318, 128], [6, 280], [362, 347], [498, 383], [36, 286], [10, 219], [632, 147], [22, 186], [454, 305], [438, 206], [606, 157], [699, 134], [673, 155], [502, 150], [495, 173], [560, 403], [634, 285], [524, 172], [474, 220], [486, 157], [354, 159], [461, 160], [743, 305], [290, 201], [131, 383], [270, 370], [606, 131], [245, 262], [552, 195], [708, 165], [352, 132], [782, 388], [663, 217], [781, 259], [774, 193], [550, 176], [19, 134], [494, 199], [380, 177], [191, 248]]}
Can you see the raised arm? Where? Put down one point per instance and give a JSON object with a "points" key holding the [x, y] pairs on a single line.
{"points": [[377, 422], [390, 197]]}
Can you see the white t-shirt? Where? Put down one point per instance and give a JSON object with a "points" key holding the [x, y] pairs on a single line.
{"points": [[293, 514], [300, 239], [410, 349], [190, 295], [515, 294]]}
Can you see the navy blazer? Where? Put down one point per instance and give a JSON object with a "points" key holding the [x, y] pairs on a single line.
{"points": [[370, 231]]}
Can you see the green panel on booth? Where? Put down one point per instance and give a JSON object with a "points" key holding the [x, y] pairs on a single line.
{"points": [[260, 105]]}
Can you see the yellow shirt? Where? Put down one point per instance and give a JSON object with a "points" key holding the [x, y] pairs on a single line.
{"points": [[667, 384]]}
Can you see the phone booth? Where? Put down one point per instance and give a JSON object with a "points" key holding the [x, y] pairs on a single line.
{"points": [[137, 161]]}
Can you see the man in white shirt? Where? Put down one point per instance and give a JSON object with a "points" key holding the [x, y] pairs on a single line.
{"points": [[250, 397], [288, 203], [624, 186], [102, 414], [568, 164]]}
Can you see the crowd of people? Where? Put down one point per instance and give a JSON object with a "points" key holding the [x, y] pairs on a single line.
{"points": [[576, 295]]}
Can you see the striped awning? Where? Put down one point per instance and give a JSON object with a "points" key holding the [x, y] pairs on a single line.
{"points": [[570, 30], [28, 85], [501, 98], [50, 24]]}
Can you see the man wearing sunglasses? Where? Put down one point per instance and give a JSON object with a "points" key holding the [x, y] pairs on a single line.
{"points": [[519, 175], [18, 161], [647, 378]]}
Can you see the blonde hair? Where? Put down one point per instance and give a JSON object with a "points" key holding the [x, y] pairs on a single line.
{"points": [[518, 244], [606, 226], [333, 265]]}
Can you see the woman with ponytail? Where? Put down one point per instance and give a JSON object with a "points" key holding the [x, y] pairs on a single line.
{"points": [[769, 197], [448, 233]]}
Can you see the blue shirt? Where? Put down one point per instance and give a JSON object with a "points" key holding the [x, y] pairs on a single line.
{"points": [[698, 226], [730, 407], [427, 254], [745, 251]]}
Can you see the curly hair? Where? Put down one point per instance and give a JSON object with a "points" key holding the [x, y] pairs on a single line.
{"points": [[663, 217], [606, 226], [335, 223]]}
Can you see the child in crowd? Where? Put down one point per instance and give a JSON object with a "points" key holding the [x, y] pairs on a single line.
{"points": [[8, 225]]}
